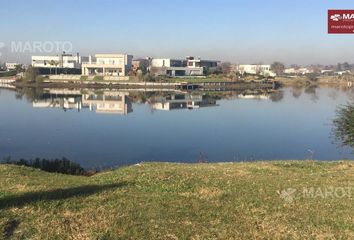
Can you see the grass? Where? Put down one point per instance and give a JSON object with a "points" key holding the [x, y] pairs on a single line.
{"points": [[178, 201], [8, 74], [198, 80]]}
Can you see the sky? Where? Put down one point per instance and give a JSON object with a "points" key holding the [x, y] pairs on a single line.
{"points": [[239, 31]]}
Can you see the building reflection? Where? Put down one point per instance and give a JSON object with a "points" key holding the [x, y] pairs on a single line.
{"points": [[111, 102], [108, 102], [182, 101], [65, 102], [119, 102]]}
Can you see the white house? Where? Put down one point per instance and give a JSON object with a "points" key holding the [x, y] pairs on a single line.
{"points": [[10, 66], [108, 65], [179, 67], [301, 71], [255, 69], [60, 61]]}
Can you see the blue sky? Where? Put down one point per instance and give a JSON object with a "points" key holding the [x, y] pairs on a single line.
{"points": [[239, 31]]}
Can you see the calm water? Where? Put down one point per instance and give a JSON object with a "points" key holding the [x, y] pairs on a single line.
{"points": [[107, 128]]}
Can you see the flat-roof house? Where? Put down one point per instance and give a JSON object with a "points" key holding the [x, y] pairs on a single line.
{"points": [[262, 69], [10, 66], [181, 67], [61, 61], [108, 65]]}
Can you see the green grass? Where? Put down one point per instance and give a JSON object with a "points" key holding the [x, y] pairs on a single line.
{"points": [[8, 74], [197, 80], [178, 201]]}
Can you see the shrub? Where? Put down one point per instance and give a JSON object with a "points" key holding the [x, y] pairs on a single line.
{"points": [[83, 78], [98, 78], [63, 165]]}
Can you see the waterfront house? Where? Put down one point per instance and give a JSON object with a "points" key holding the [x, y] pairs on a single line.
{"points": [[181, 67], [108, 65], [59, 61], [10, 66], [261, 69]]}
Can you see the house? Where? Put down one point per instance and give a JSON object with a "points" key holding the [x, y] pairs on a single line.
{"points": [[260, 69], [10, 66], [206, 64], [108, 65], [59, 61], [298, 71], [180, 67]]}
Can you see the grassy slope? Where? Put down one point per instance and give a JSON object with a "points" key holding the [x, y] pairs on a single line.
{"points": [[176, 201]]}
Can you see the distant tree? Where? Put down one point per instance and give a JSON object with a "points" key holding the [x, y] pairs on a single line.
{"points": [[139, 75], [277, 67], [31, 74], [225, 67], [19, 68], [148, 77]]}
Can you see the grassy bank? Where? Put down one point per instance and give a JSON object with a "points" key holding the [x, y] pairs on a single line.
{"points": [[179, 201]]}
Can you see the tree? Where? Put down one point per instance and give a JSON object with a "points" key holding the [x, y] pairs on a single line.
{"points": [[19, 68], [225, 67], [277, 67], [140, 75], [31, 74], [343, 128]]}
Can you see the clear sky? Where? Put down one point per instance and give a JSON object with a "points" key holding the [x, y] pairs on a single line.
{"points": [[240, 31]]}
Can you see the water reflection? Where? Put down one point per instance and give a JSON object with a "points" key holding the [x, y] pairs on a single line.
{"points": [[181, 101], [108, 102], [119, 102], [289, 123]]}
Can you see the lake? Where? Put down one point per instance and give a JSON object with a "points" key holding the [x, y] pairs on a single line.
{"points": [[106, 128]]}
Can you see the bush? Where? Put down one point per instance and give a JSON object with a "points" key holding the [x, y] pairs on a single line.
{"points": [[63, 165], [83, 78], [98, 78], [8, 74]]}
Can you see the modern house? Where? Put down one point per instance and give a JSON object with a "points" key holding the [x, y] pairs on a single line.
{"points": [[178, 67], [60, 61], [297, 71], [10, 66], [108, 65], [260, 69], [206, 64]]}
